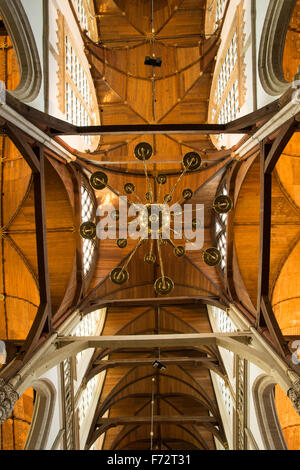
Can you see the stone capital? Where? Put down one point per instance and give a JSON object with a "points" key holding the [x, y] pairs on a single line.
{"points": [[8, 399]]}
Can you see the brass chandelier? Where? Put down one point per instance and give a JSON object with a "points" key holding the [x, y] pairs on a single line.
{"points": [[154, 218]]}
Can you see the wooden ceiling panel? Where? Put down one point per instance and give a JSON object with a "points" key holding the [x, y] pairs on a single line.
{"points": [[118, 320], [113, 26], [105, 6], [288, 170], [16, 180], [184, 111], [120, 113], [21, 294], [135, 61], [138, 93], [185, 22], [167, 94], [106, 95]]}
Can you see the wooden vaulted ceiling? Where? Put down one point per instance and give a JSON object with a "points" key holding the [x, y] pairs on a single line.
{"points": [[178, 92], [130, 92], [182, 391]]}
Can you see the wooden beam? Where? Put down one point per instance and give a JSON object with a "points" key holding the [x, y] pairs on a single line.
{"points": [[3, 31], [155, 301], [279, 145], [264, 231], [273, 326], [252, 119], [104, 424], [19, 140], [269, 155], [38, 118], [150, 341], [140, 129], [166, 360], [54, 126], [45, 311], [107, 423], [99, 366], [41, 228]]}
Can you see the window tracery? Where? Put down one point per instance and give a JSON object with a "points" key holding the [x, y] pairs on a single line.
{"points": [[87, 214], [223, 321], [76, 93], [226, 396], [86, 399], [81, 14], [88, 326], [78, 102], [219, 12], [228, 92], [221, 228]]}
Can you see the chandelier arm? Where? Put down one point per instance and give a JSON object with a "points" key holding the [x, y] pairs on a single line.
{"points": [[177, 233], [161, 261], [171, 243], [178, 181], [137, 198], [151, 246], [115, 191], [148, 181], [159, 193], [131, 256]]}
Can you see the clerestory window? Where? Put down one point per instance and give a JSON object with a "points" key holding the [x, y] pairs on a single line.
{"points": [[221, 228], [88, 210]]}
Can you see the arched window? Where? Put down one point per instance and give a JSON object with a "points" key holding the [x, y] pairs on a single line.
{"points": [[226, 397], [227, 96], [86, 399], [86, 15], [221, 228], [223, 321], [81, 14], [88, 213], [76, 92], [78, 100], [90, 325], [87, 327], [219, 12]]}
